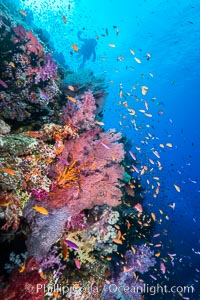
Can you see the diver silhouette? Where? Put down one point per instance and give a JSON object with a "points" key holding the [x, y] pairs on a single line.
{"points": [[87, 49]]}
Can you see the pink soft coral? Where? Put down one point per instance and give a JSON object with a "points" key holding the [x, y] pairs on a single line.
{"points": [[81, 113]]}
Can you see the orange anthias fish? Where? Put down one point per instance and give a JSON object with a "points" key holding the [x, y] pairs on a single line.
{"points": [[177, 188], [112, 45], [72, 99], [75, 47], [71, 88], [41, 210], [23, 13], [33, 134], [22, 268], [117, 241], [9, 171]]}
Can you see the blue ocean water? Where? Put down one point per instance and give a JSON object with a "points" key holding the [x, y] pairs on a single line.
{"points": [[164, 36]]}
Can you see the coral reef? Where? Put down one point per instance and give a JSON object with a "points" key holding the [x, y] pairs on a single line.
{"points": [[66, 184], [28, 88]]}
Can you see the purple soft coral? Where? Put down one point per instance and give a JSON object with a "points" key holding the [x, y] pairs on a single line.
{"points": [[47, 71]]}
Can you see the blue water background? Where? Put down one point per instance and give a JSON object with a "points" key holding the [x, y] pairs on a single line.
{"points": [[170, 32]]}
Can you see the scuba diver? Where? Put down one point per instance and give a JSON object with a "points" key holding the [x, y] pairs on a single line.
{"points": [[87, 49]]}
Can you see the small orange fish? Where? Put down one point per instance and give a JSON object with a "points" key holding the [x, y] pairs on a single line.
{"points": [[109, 258], [127, 270], [99, 123], [117, 241], [42, 275], [27, 177], [70, 87], [75, 47], [112, 45], [133, 250], [64, 19], [169, 145], [65, 250], [57, 137], [177, 188], [128, 224], [23, 13], [9, 171], [12, 64], [72, 99], [107, 281], [119, 235], [153, 216], [22, 268], [33, 134], [144, 90], [41, 210], [56, 295]]}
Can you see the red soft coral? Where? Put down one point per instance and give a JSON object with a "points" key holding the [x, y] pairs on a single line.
{"points": [[25, 285]]}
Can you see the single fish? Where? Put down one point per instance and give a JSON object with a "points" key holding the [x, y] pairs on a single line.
{"points": [[99, 123], [70, 87], [72, 99], [23, 13], [77, 263], [156, 235], [117, 241], [112, 45], [105, 146], [75, 47], [138, 207], [43, 94], [153, 216], [9, 171], [72, 245], [33, 134], [156, 154], [136, 169], [64, 19], [3, 84], [22, 268], [132, 155], [42, 210], [177, 188], [137, 60], [162, 268], [169, 145], [144, 89], [153, 277]]}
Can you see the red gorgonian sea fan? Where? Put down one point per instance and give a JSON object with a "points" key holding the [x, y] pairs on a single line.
{"points": [[88, 172]]}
